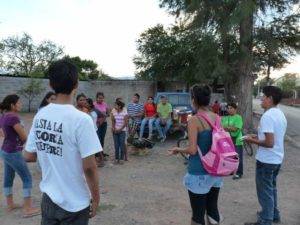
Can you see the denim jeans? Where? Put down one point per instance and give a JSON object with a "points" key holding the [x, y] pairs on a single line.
{"points": [[266, 175], [14, 162], [239, 150], [119, 141], [102, 132], [143, 124], [163, 131], [52, 214]]}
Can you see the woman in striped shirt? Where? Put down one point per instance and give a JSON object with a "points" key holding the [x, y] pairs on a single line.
{"points": [[119, 124]]}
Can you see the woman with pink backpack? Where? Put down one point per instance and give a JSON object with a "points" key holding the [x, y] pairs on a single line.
{"points": [[203, 188]]}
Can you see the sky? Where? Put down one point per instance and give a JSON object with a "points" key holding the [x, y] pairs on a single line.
{"points": [[102, 30]]}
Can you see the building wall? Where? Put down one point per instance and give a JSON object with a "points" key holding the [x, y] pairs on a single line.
{"points": [[111, 89]]}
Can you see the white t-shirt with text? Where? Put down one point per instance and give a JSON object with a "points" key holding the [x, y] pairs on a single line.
{"points": [[62, 136], [272, 121]]}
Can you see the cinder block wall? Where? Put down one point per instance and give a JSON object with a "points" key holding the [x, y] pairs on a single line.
{"points": [[111, 89]]}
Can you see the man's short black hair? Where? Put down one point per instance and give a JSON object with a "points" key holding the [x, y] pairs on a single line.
{"points": [[274, 92], [232, 104], [163, 96], [63, 76], [137, 95]]}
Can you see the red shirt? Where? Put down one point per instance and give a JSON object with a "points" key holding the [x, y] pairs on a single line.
{"points": [[216, 108], [150, 109]]}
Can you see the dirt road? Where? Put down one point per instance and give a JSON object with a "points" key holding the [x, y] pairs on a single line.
{"points": [[148, 190]]}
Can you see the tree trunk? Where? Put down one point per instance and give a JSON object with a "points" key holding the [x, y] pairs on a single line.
{"points": [[245, 78], [268, 75]]}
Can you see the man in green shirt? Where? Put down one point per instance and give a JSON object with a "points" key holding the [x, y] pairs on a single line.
{"points": [[233, 123], [164, 110]]}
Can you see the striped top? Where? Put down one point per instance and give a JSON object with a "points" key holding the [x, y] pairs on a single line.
{"points": [[134, 109], [119, 118]]}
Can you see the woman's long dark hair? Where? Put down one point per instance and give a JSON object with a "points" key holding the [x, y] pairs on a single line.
{"points": [[152, 100], [90, 103], [45, 99], [9, 100]]}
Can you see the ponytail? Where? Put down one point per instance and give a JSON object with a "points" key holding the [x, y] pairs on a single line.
{"points": [[9, 100]]}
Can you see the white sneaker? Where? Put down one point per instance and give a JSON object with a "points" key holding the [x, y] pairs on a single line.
{"points": [[211, 221]]}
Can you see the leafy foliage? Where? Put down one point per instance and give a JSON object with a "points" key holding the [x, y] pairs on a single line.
{"points": [[87, 69], [24, 57], [248, 37], [31, 90], [176, 54], [288, 83]]}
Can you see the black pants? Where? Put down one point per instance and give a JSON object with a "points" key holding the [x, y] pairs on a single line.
{"points": [[205, 203], [52, 214], [239, 150], [101, 132]]}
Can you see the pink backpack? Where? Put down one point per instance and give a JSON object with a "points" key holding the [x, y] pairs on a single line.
{"points": [[222, 159]]}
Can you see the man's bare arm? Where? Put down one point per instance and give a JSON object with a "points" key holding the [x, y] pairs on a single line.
{"points": [[92, 178]]}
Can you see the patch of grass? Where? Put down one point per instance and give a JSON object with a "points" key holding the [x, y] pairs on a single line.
{"points": [[104, 207]]}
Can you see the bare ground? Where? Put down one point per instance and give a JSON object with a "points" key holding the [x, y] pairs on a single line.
{"points": [[148, 190]]}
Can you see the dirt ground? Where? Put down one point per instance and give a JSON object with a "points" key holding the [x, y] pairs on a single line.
{"points": [[148, 190]]}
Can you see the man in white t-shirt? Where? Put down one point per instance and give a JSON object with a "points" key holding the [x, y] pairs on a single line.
{"points": [[64, 141], [270, 139]]}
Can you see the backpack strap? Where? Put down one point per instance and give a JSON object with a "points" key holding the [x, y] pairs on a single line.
{"points": [[217, 123]]}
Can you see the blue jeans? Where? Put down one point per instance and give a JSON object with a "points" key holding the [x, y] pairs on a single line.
{"points": [[163, 131], [266, 175], [143, 124], [119, 141], [14, 162]]}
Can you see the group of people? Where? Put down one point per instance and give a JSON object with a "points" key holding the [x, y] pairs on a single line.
{"points": [[68, 142], [203, 188], [125, 121]]}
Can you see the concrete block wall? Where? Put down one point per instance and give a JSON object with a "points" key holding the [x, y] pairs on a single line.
{"points": [[111, 89]]}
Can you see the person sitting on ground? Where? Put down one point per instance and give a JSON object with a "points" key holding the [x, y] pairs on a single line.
{"points": [[164, 110], [269, 156], [11, 152], [65, 142], [233, 123], [150, 115], [203, 188], [119, 123], [81, 103], [49, 98]]}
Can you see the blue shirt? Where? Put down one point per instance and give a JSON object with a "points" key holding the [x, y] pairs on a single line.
{"points": [[197, 180]]}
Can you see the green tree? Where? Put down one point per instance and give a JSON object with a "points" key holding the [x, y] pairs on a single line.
{"points": [[288, 84], [175, 54], [24, 57], [87, 69], [275, 43], [31, 90], [237, 21]]}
